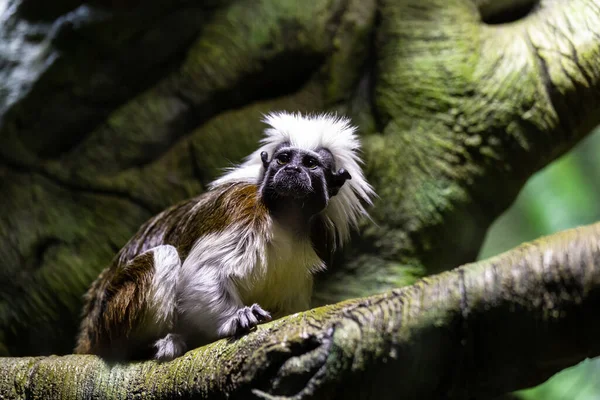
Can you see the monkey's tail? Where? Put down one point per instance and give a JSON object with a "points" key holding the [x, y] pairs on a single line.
{"points": [[93, 298]]}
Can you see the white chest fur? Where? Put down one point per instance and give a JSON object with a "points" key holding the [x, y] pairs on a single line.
{"points": [[281, 281], [242, 266]]}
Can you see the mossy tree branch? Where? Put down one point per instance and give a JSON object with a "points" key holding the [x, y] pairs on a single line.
{"points": [[475, 332]]}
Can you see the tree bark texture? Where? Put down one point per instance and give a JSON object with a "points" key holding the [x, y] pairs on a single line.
{"points": [[474, 332], [111, 111]]}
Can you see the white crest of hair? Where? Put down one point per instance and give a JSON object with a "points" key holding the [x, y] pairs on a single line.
{"points": [[312, 132]]}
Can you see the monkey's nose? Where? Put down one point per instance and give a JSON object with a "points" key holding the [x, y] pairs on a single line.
{"points": [[291, 168]]}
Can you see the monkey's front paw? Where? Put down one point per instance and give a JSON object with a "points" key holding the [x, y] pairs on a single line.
{"points": [[244, 319]]}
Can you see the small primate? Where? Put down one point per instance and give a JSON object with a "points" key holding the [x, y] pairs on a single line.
{"points": [[238, 255]]}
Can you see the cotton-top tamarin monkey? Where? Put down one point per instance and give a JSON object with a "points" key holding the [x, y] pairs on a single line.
{"points": [[238, 255]]}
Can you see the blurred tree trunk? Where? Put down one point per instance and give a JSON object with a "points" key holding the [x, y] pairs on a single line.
{"points": [[111, 111]]}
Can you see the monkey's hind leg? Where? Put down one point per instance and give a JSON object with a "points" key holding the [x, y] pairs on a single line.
{"points": [[131, 305], [169, 347], [163, 302]]}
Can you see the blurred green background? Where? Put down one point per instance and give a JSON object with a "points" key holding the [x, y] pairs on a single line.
{"points": [[563, 195]]}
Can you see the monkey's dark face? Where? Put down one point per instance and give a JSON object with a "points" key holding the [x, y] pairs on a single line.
{"points": [[300, 178]]}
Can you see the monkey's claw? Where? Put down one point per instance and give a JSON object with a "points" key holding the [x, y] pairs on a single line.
{"points": [[245, 319], [248, 317]]}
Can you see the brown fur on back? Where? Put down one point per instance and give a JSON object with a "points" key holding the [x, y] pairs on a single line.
{"points": [[182, 224]]}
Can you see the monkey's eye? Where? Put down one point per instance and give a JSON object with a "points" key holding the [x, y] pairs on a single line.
{"points": [[283, 158], [311, 162]]}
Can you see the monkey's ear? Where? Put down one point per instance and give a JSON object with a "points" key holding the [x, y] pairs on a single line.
{"points": [[337, 181], [264, 157]]}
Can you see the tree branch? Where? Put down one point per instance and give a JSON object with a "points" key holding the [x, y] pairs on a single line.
{"points": [[478, 331]]}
